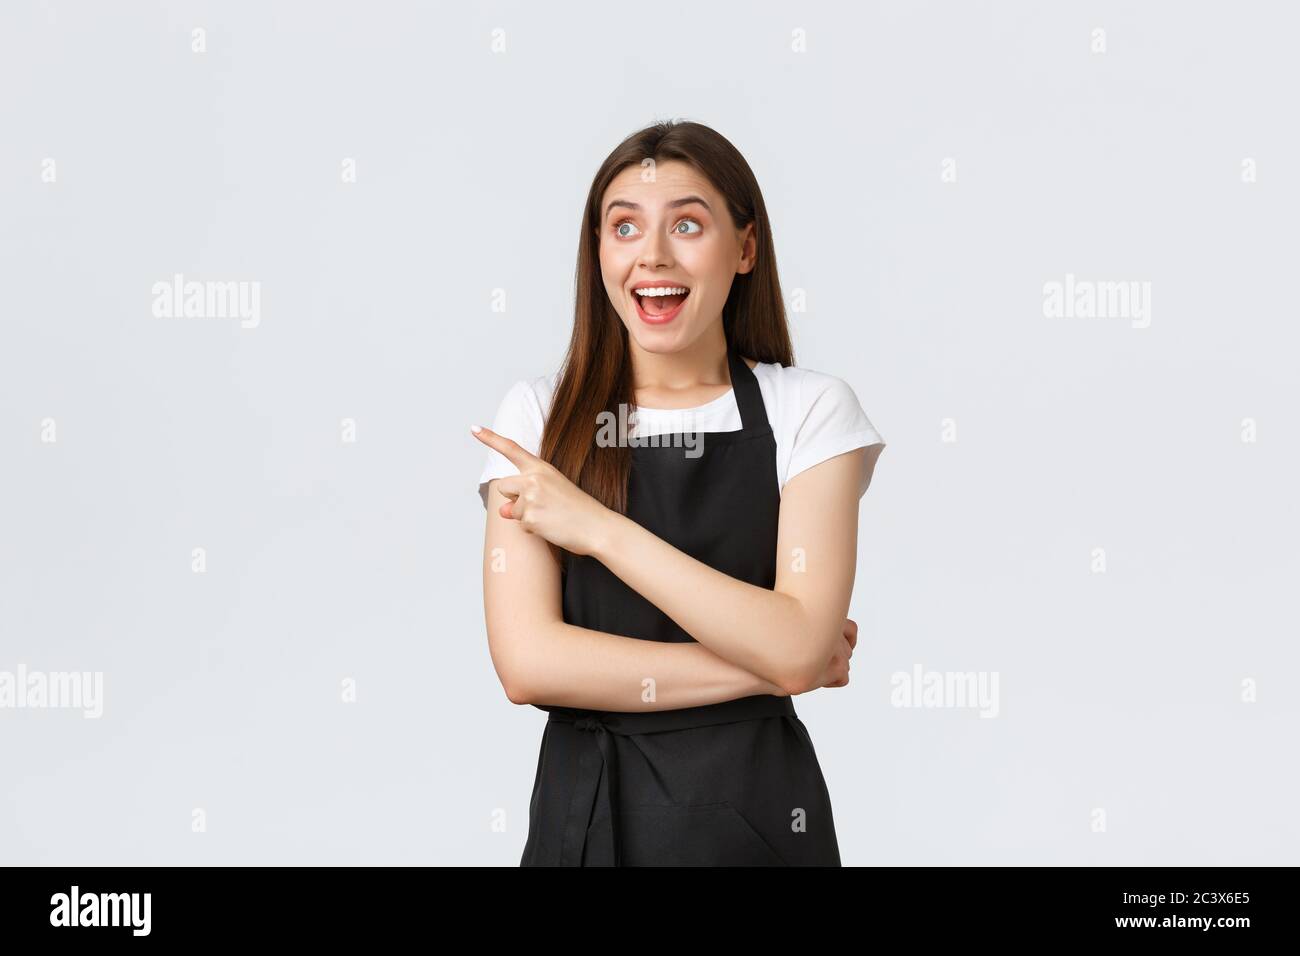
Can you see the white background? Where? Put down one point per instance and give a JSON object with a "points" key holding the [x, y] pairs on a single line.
{"points": [[326, 561]]}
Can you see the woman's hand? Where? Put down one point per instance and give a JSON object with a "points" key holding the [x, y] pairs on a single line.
{"points": [[544, 501]]}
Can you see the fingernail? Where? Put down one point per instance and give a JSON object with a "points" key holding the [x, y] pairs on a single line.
{"points": [[476, 428]]}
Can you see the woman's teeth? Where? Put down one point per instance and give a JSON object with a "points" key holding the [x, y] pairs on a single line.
{"points": [[663, 290], [660, 300]]}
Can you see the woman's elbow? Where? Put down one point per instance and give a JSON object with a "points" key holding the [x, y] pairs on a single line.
{"points": [[515, 686], [806, 672], [512, 671], [516, 694], [798, 680], [791, 674]]}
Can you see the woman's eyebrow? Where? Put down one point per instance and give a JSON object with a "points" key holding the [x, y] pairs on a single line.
{"points": [[684, 201]]}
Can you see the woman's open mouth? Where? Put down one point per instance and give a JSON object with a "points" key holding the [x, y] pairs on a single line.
{"points": [[657, 305]]}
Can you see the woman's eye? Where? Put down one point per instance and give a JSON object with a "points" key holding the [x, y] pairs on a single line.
{"points": [[624, 233]]}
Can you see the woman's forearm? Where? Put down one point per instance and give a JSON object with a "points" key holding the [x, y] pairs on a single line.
{"points": [[571, 666], [765, 632]]}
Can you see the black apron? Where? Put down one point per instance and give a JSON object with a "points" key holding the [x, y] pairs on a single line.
{"points": [[735, 783]]}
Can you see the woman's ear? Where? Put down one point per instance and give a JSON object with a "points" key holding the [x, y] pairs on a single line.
{"points": [[748, 250]]}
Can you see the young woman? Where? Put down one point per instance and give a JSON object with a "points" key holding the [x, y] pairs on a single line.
{"points": [[662, 591]]}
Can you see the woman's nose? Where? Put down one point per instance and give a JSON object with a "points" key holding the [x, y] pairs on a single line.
{"points": [[655, 250]]}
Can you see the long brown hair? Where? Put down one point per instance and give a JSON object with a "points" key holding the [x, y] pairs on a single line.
{"points": [[596, 374]]}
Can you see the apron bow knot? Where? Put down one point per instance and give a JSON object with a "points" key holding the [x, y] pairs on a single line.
{"points": [[599, 763]]}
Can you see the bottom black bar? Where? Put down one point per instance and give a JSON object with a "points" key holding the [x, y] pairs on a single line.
{"points": [[335, 905]]}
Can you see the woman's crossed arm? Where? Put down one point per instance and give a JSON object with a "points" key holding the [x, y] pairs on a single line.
{"points": [[752, 640]]}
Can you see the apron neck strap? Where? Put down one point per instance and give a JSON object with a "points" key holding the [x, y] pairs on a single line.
{"points": [[748, 397]]}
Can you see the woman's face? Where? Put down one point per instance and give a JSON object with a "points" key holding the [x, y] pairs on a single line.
{"points": [[673, 232]]}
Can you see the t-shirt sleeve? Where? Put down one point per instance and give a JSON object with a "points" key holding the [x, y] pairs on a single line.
{"points": [[832, 422], [519, 417]]}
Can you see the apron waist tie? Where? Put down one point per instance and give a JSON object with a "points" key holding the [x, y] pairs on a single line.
{"points": [[603, 758]]}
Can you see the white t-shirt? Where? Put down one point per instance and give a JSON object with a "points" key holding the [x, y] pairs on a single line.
{"points": [[814, 416]]}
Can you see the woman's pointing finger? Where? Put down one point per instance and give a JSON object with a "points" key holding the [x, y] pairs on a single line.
{"points": [[515, 453]]}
